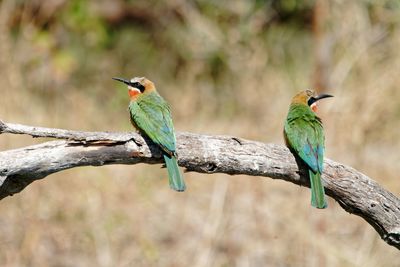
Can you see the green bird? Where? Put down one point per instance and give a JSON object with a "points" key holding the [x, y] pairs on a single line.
{"points": [[304, 136], [151, 115]]}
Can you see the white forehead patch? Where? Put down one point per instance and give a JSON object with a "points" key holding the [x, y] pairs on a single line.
{"points": [[137, 79]]}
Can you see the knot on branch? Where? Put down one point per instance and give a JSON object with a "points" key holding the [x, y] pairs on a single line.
{"points": [[210, 167]]}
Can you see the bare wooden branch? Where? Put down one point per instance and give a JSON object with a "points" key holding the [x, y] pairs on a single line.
{"points": [[354, 191]]}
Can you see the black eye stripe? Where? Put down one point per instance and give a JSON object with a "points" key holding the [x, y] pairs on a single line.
{"points": [[138, 86], [311, 100]]}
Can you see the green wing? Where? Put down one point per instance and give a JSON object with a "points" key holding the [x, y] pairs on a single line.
{"points": [[304, 132], [151, 113]]}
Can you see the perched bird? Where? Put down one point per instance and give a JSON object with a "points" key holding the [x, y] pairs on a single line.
{"points": [[151, 115], [304, 136]]}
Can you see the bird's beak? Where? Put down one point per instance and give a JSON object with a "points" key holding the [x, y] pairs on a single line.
{"points": [[318, 97], [127, 82]]}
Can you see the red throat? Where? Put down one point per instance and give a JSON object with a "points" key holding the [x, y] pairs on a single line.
{"points": [[314, 107], [133, 93]]}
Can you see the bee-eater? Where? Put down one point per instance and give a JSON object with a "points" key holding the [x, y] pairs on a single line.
{"points": [[304, 136], [151, 115]]}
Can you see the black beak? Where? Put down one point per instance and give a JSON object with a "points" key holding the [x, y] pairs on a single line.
{"points": [[127, 82], [318, 97]]}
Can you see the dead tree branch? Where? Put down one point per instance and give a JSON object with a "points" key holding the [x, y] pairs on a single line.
{"points": [[354, 191]]}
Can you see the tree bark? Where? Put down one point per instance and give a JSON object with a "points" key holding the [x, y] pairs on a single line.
{"points": [[354, 191]]}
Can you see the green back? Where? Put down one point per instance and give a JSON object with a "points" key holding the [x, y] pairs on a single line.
{"points": [[151, 113], [305, 135]]}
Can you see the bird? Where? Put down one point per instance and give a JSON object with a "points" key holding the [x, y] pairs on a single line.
{"points": [[304, 136], [151, 115]]}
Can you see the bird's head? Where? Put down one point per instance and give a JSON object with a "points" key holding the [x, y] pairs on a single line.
{"points": [[137, 85], [310, 98]]}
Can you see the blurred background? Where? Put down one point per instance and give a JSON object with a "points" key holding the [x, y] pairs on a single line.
{"points": [[225, 67]]}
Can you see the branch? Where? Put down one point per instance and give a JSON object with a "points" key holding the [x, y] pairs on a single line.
{"points": [[354, 191]]}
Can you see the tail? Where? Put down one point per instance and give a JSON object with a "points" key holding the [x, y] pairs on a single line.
{"points": [[175, 176], [317, 191]]}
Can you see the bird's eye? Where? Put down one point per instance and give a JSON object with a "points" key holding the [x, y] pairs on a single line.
{"points": [[138, 86], [311, 100]]}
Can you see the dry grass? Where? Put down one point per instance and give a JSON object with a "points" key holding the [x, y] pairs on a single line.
{"points": [[127, 216]]}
